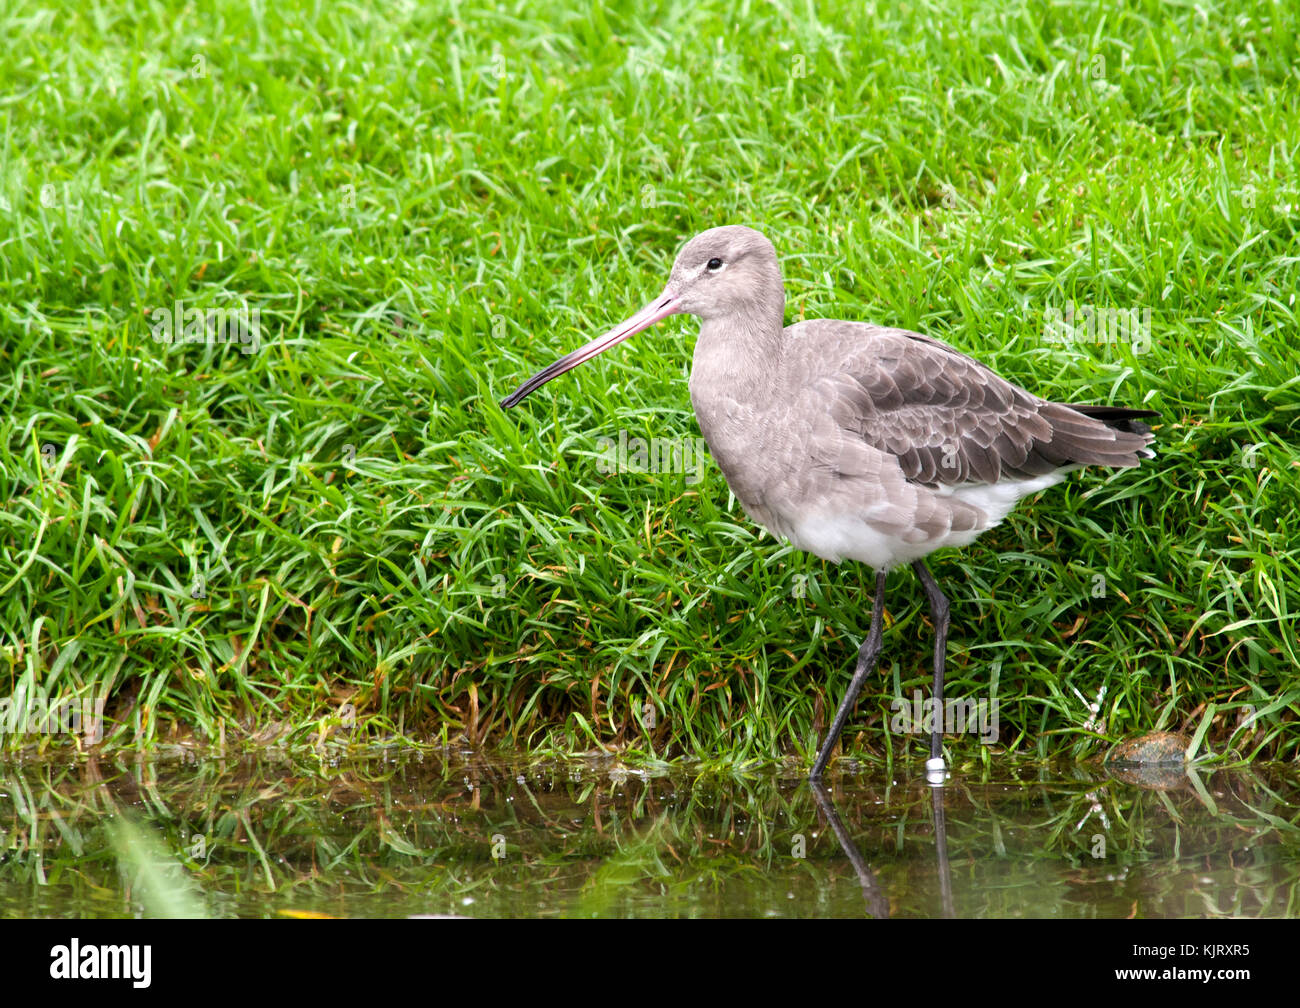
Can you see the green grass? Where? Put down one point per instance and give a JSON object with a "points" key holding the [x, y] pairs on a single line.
{"points": [[426, 205]]}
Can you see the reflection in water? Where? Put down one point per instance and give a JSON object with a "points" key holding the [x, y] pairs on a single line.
{"points": [[877, 902], [941, 850], [449, 833]]}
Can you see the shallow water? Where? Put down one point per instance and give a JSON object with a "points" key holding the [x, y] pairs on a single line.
{"points": [[464, 835]]}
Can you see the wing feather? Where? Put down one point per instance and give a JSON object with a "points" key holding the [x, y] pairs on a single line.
{"points": [[947, 418]]}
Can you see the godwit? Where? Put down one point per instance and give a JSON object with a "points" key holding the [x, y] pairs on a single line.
{"points": [[857, 441]]}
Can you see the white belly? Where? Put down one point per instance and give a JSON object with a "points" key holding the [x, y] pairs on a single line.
{"points": [[855, 536]]}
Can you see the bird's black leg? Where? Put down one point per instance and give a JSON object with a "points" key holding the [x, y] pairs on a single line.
{"points": [[939, 615], [867, 656]]}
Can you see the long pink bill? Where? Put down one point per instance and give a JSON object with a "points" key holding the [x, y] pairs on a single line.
{"points": [[667, 303]]}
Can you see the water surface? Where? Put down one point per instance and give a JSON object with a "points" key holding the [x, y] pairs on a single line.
{"points": [[459, 834]]}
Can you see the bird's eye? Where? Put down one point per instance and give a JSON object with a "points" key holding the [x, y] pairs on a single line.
{"points": [[714, 264]]}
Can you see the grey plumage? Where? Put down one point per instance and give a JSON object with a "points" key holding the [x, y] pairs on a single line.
{"points": [[854, 440], [890, 428]]}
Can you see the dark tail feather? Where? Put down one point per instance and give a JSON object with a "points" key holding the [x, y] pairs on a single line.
{"points": [[1096, 435], [1120, 418]]}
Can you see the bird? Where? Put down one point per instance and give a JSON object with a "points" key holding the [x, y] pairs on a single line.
{"points": [[855, 441]]}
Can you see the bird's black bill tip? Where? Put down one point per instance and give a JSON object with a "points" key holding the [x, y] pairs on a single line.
{"points": [[526, 389], [668, 303]]}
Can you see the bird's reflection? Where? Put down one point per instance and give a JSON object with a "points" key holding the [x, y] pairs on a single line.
{"points": [[941, 849], [877, 902]]}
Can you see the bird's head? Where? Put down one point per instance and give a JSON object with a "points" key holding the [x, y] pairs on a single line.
{"points": [[724, 271]]}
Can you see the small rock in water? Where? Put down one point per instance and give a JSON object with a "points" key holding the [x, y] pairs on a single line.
{"points": [[1153, 749]]}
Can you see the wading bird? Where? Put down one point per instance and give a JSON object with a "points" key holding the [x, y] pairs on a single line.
{"points": [[855, 441]]}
